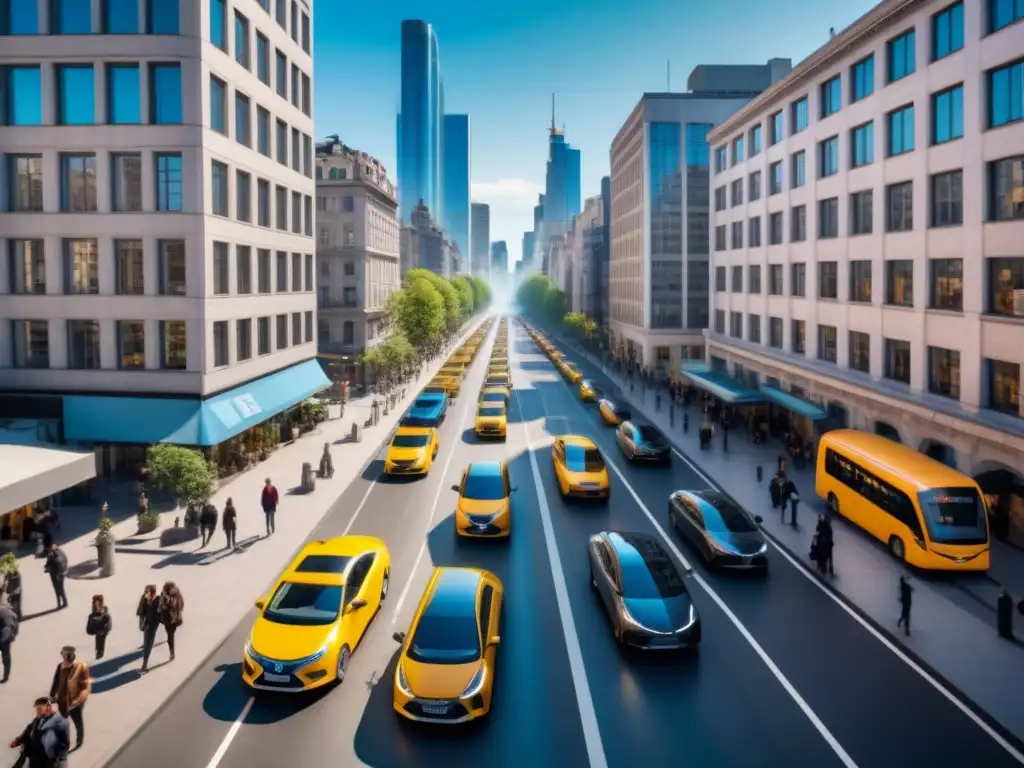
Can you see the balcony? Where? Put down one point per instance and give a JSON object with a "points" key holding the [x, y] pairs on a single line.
{"points": [[333, 303]]}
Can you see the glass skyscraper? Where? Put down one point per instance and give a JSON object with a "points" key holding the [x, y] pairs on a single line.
{"points": [[456, 177], [420, 132], [562, 185]]}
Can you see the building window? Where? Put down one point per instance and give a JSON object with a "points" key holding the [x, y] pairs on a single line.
{"points": [[799, 175], [737, 279], [282, 13], [720, 286], [25, 182], [126, 183], [77, 102], [736, 325], [130, 274], [218, 105], [901, 53], [296, 150], [948, 199], [308, 322], [295, 85], [243, 120], [798, 333], [1006, 189], [307, 156], [897, 360], [281, 284], [296, 212], [218, 22], [775, 128], [220, 344], [720, 159], [755, 232], [281, 208], [774, 279], [798, 279], [168, 182], [720, 244], [755, 140], [263, 131], [281, 74], [775, 332], [263, 59], [901, 130], [899, 207], [827, 343], [754, 329], [860, 281], [798, 224], [799, 115], [1005, 103], [307, 89], [831, 97], [124, 94], [243, 339], [755, 186], [860, 351], [31, 345], [241, 40], [944, 372], [282, 142], [296, 328], [948, 31], [220, 269], [263, 202], [947, 284], [171, 258], [26, 266], [737, 194], [131, 344], [282, 331], [1004, 386], [219, 188], [775, 178], [775, 228], [308, 273], [862, 79], [263, 270], [828, 218], [305, 37], [348, 332], [83, 345], [296, 272], [165, 94], [862, 145], [173, 345], [721, 200], [948, 115], [719, 321], [755, 278], [828, 280], [899, 283], [737, 234], [243, 270], [162, 17], [78, 183], [24, 103], [263, 336], [737, 150], [307, 216], [243, 196], [1006, 286], [1003, 13], [71, 17], [828, 157], [861, 212]]}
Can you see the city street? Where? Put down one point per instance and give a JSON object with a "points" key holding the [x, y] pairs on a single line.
{"points": [[785, 677]]}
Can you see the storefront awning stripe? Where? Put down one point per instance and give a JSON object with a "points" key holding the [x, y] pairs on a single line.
{"points": [[795, 404], [725, 389]]}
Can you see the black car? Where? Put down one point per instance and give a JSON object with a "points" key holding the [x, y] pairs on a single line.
{"points": [[724, 533], [643, 443], [642, 592]]}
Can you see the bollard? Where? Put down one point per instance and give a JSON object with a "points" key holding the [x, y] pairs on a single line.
{"points": [[1004, 615], [760, 473]]}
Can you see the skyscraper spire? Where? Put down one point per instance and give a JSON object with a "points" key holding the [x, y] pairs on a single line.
{"points": [[553, 129]]}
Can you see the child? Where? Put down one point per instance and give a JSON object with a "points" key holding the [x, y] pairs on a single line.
{"points": [[99, 624]]}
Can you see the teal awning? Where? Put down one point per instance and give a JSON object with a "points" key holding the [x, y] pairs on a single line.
{"points": [[189, 421], [795, 404], [724, 388], [695, 366]]}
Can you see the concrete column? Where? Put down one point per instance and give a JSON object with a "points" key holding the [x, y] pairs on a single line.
{"points": [[48, 83], [154, 347], [151, 266], [100, 98], [144, 101], [58, 331], [109, 345], [97, 16], [149, 186], [104, 185], [107, 258], [44, 16], [198, 335], [51, 181]]}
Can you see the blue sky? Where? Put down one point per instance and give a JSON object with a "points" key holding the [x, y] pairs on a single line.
{"points": [[502, 61]]}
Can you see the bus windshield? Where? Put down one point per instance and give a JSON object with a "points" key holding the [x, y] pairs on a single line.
{"points": [[954, 515]]}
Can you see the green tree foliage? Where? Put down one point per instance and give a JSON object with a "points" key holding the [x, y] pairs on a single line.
{"points": [[419, 311], [390, 355], [574, 321], [538, 297], [452, 308], [481, 293], [180, 471], [464, 289]]}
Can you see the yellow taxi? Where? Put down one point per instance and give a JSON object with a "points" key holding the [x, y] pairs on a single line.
{"points": [[495, 395], [555, 356], [448, 369], [612, 412], [411, 452], [571, 373], [445, 670], [498, 380], [491, 421], [484, 510], [452, 385], [498, 369], [315, 615], [589, 391], [579, 468]]}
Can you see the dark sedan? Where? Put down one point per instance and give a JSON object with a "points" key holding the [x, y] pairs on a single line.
{"points": [[642, 592], [643, 443], [724, 533]]}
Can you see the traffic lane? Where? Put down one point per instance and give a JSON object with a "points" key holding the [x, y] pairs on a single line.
{"points": [[534, 712], [887, 714]]}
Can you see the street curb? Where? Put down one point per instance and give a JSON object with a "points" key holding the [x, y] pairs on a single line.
{"points": [[1004, 732], [106, 762]]}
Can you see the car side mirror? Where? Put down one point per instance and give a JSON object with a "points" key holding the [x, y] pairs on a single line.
{"points": [[496, 640], [398, 637], [260, 603], [455, 488], [758, 519], [355, 605]]}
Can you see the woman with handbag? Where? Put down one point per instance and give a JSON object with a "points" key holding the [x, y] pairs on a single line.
{"points": [[172, 605], [149, 621]]}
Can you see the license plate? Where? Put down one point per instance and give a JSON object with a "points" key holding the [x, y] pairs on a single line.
{"points": [[271, 678], [435, 710]]}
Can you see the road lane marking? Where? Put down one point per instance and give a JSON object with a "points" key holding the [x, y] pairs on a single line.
{"points": [[359, 509], [584, 699], [230, 736]]}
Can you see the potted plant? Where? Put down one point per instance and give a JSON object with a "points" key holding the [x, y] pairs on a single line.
{"points": [[7, 563], [105, 543], [148, 522]]}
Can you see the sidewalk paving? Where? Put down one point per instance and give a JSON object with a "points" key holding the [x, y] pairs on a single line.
{"points": [[954, 626], [219, 587]]}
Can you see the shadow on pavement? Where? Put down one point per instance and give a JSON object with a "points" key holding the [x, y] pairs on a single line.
{"points": [[227, 698], [112, 673], [524, 406], [374, 470]]}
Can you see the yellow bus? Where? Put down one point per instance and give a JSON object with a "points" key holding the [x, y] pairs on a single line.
{"points": [[928, 514]]}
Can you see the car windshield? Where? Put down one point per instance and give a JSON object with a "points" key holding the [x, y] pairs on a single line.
{"points": [[418, 421], [484, 487], [954, 515], [436, 389], [492, 410], [304, 605], [410, 441], [650, 435], [580, 459], [441, 639], [650, 577], [427, 402], [494, 397], [722, 516]]}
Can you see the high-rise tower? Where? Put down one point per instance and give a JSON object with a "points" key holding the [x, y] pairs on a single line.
{"points": [[456, 181], [420, 129], [562, 183]]}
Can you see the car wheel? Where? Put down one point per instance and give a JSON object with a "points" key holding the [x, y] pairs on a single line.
{"points": [[833, 504], [896, 548], [384, 587], [344, 655]]}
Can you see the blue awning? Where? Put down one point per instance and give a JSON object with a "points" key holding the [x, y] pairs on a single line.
{"points": [[695, 366], [182, 421], [795, 404], [724, 388]]}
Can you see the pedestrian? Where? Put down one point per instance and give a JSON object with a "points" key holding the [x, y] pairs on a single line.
{"points": [[70, 688], [230, 523], [172, 605], [906, 597], [824, 529], [46, 740], [57, 567], [12, 588], [794, 501], [143, 508], [99, 624], [149, 622], [269, 500], [8, 633], [208, 522]]}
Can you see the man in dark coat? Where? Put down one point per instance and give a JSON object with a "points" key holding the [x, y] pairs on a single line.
{"points": [[46, 740], [57, 567], [269, 500]]}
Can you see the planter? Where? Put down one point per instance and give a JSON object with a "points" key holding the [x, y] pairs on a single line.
{"points": [[147, 526], [105, 557]]}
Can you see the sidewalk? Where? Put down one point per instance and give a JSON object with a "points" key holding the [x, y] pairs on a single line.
{"points": [[954, 630], [219, 587]]}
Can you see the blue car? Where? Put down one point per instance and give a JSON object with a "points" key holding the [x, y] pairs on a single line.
{"points": [[428, 410]]}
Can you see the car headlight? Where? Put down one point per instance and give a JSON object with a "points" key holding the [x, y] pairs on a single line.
{"points": [[403, 681], [475, 684], [248, 651], [763, 549], [690, 621], [629, 617]]}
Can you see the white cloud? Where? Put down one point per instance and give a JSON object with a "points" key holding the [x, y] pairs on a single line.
{"points": [[513, 193]]}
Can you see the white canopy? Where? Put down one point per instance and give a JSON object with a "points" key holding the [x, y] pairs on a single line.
{"points": [[29, 473]]}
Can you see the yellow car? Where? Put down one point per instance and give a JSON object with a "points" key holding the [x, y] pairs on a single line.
{"points": [[411, 452], [571, 373], [579, 468], [589, 391], [316, 614], [458, 371], [491, 421], [498, 380], [495, 395], [445, 671], [485, 501], [613, 413], [452, 385]]}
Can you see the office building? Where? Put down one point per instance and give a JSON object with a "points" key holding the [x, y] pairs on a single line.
{"points": [[480, 232], [561, 200], [499, 259], [527, 256], [420, 128], [658, 273], [357, 256], [587, 257], [423, 244], [157, 220], [875, 278], [457, 175]]}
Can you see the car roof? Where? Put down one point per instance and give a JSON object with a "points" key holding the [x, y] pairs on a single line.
{"points": [[496, 389], [414, 431], [491, 404], [614, 404], [580, 440], [439, 396], [484, 469], [454, 592], [635, 548], [326, 561], [708, 497]]}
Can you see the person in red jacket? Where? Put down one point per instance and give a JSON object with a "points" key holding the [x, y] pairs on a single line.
{"points": [[268, 500]]}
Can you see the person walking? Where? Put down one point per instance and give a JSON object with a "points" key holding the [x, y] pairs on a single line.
{"points": [[69, 690], [57, 567], [269, 500], [906, 597], [149, 622], [12, 589], [143, 507], [99, 624], [230, 523], [208, 522], [8, 633], [46, 740], [824, 529], [172, 605]]}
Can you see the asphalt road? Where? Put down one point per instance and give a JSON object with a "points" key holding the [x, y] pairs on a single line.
{"points": [[785, 677]]}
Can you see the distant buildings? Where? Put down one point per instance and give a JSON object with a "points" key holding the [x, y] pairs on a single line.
{"points": [[424, 244], [457, 174], [561, 199], [480, 233], [420, 126], [499, 259], [587, 246], [527, 258]]}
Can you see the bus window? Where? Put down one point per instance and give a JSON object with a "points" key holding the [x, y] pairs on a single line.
{"points": [[954, 515]]}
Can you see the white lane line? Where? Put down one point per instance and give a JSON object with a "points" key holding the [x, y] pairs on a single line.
{"points": [[359, 509], [584, 699], [232, 732]]}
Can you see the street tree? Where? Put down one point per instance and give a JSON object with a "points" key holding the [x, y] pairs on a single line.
{"points": [[420, 312], [452, 307], [464, 289], [481, 293], [183, 472]]}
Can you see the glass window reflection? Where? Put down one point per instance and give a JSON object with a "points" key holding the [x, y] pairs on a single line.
{"points": [[25, 96], [163, 17], [165, 94], [123, 94], [77, 100], [666, 225], [71, 17], [19, 18], [121, 17]]}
